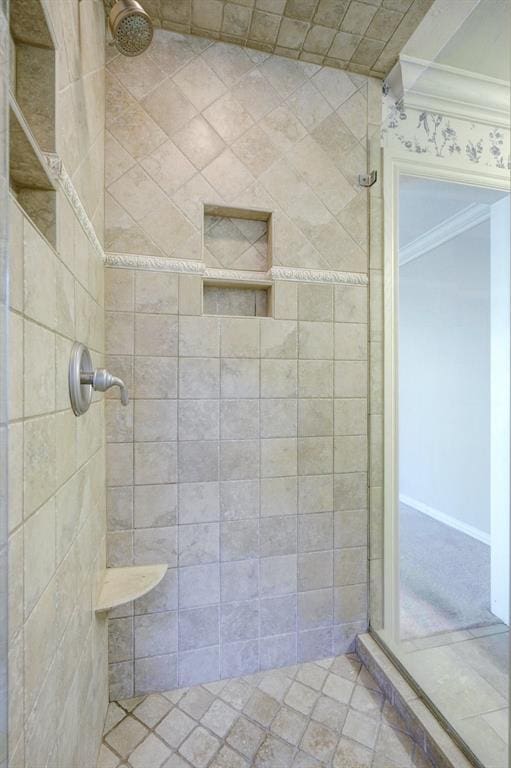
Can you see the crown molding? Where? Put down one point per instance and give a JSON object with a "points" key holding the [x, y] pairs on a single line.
{"points": [[466, 219], [445, 90]]}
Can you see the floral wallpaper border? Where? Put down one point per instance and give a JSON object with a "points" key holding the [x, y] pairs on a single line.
{"points": [[443, 136]]}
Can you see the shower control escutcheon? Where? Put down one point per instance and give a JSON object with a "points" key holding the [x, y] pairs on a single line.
{"points": [[83, 378]]}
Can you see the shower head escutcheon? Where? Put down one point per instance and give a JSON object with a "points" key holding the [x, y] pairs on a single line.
{"points": [[131, 27]]}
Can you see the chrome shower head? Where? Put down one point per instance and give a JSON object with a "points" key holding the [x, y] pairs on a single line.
{"points": [[131, 27]]}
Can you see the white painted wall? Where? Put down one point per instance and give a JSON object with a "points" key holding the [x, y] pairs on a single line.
{"points": [[444, 372]]}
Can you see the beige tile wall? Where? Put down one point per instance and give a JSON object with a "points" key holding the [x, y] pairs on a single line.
{"points": [[57, 647], [241, 461], [192, 121]]}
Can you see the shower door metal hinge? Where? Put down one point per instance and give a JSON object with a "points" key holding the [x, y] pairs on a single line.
{"points": [[367, 179]]}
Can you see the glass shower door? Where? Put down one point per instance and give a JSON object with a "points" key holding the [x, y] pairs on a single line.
{"points": [[453, 453], [440, 372], [4, 188]]}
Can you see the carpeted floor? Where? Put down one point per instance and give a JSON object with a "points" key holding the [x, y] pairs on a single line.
{"points": [[445, 577]]}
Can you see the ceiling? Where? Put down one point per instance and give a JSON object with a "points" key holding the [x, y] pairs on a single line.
{"points": [[426, 203], [481, 44], [363, 36]]}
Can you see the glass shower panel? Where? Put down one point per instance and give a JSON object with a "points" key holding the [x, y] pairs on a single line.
{"points": [[4, 188], [375, 426], [439, 476], [454, 433]]}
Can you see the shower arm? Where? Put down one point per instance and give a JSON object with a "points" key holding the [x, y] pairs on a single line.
{"points": [[101, 380]]}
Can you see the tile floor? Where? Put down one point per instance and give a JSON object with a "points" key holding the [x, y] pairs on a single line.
{"points": [[326, 713], [465, 674]]}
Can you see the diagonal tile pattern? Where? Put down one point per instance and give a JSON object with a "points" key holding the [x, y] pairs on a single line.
{"points": [[231, 243], [329, 713], [362, 36], [198, 121]]}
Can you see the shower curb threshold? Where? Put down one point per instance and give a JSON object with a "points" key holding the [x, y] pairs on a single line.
{"points": [[424, 727]]}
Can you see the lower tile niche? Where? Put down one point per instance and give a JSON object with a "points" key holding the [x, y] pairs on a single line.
{"points": [[235, 300]]}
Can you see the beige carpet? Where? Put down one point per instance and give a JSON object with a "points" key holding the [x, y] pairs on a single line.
{"points": [[445, 577]]}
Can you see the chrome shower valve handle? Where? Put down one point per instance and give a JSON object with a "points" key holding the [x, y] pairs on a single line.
{"points": [[83, 378], [100, 379]]}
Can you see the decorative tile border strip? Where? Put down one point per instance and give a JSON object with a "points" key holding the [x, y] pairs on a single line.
{"points": [[187, 266], [237, 276], [423, 726], [153, 263], [319, 276], [296, 274], [61, 177]]}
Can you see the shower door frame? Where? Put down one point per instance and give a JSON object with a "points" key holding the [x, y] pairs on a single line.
{"points": [[395, 166]]}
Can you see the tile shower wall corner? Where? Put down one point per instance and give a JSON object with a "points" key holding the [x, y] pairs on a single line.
{"points": [[58, 648], [242, 459]]}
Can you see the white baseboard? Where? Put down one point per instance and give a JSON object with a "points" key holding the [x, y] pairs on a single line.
{"points": [[452, 522]]}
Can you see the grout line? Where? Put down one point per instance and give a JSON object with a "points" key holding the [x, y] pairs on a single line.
{"points": [[254, 682]]}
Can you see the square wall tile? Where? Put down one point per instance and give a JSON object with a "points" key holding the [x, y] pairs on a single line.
{"points": [[278, 378], [239, 419], [278, 457], [155, 420], [199, 378], [199, 666], [154, 505], [199, 585], [278, 338], [156, 377], [155, 463], [155, 634], [156, 292], [239, 459], [198, 461], [278, 615], [279, 418], [199, 627], [156, 335], [199, 502], [240, 579], [239, 499], [239, 540], [155, 545], [240, 378], [199, 543], [198, 420], [279, 496], [199, 337], [240, 337], [315, 302]]}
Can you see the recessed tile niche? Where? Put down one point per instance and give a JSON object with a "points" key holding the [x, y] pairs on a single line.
{"points": [[33, 70], [32, 114], [247, 301], [239, 240]]}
